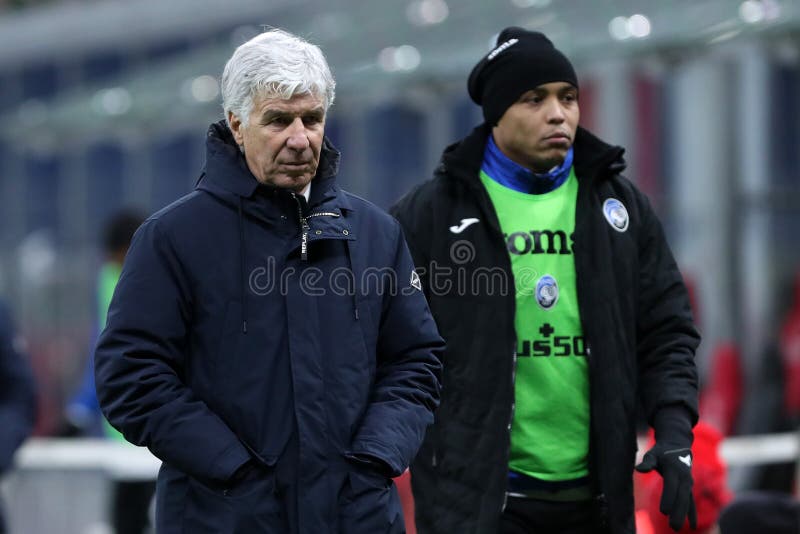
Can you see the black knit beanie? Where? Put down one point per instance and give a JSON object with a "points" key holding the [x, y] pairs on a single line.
{"points": [[521, 61]]}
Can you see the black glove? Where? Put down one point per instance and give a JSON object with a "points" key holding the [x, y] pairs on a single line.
{"points": [[672, 458], [675, 466]]}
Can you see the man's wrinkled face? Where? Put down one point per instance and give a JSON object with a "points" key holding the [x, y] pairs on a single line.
{"points": [[282, 140], [539, 128]]}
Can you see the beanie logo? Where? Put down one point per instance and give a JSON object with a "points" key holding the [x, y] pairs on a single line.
{"points": [[507, 44], [616, 214]]}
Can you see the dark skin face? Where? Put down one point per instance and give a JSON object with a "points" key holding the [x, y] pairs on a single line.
{"points": [[282, 140], [538, 130]]}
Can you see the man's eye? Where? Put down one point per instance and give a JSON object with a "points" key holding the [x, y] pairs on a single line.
{"points": [[276, 121]]}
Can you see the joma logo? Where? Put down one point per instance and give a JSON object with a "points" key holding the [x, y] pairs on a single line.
{"points": [[540, 242]]}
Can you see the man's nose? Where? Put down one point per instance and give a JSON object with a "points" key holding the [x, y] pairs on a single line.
{"points": [[555, 113], [298, 136]]}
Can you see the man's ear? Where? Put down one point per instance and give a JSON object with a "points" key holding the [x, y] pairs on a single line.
{"points": [[236, 128]]}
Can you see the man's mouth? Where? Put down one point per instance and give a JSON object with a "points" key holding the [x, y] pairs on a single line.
{"points": [[557, 139]]}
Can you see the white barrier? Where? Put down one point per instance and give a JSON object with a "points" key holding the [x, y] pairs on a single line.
{"points": [[761, 449], [124, 461], [120, 460], [67, 482]]}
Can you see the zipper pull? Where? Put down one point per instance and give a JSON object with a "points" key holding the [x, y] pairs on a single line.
{"points": [[304, 238], [304, 241], [304, 229]]}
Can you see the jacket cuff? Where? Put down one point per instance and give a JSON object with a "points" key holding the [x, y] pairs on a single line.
{"points": [[229, 461], [370, 462], [376, 451], [673, 426]]}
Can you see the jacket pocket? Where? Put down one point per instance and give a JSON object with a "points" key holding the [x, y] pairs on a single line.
{"points": [[251, 506], [369, 504]]}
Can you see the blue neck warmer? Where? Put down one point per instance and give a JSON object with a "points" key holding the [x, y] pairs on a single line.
{"points": [[514, 176]]}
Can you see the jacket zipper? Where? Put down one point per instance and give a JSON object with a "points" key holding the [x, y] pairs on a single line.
{"points": [[600, 498], [303, 229], [323, 213], [485, 204], [513, 409]]}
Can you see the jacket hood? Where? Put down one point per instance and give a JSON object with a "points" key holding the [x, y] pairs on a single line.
{"points": [[226, 175], [594, 158]]}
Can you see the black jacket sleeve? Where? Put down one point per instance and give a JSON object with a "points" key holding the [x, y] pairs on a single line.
{"points": [[17, 392], [414, 218], [665, 331]]}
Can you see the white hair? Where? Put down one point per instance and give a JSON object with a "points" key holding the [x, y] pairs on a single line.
{"points": [[274, 63]]}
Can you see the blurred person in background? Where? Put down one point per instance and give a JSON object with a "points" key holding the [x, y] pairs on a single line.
{"points": [[573, 303], [710, 491], [82, 414], [131, 498], [17, 395], [276, 406], [761, 513]]}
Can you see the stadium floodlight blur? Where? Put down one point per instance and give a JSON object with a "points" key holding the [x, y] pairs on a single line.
{"points": [[376, 48]]}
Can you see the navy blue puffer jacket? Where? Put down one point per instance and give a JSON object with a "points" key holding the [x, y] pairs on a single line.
{"points": [[244, 314]]}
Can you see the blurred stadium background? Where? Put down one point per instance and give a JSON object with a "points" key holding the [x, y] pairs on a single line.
{"points": [[105, 104]]}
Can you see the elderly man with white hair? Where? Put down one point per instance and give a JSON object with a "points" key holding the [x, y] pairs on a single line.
{"points": [[268, 338]]}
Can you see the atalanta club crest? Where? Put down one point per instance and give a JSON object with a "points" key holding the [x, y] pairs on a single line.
{"points": [[547, 292], [616, 214]]}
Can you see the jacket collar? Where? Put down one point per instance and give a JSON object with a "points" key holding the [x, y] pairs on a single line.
{"points": [[596, 159], [593, 158]]}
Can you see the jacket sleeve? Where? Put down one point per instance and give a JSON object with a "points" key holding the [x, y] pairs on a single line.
{"points": [[140, 362], [408, 372], [666, 335], [17, 393]]}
